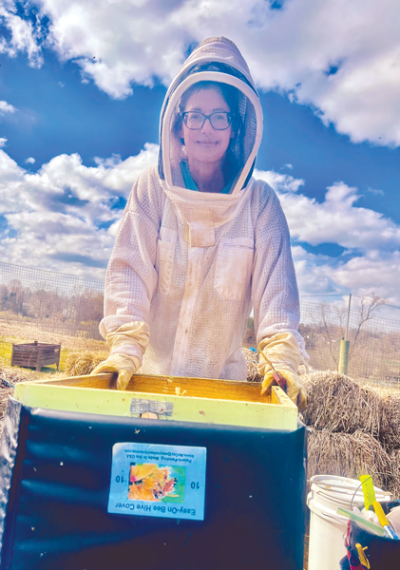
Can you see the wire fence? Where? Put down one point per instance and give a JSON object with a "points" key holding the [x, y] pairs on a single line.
{"points": [[50, 301], [374, 340], [45, 301]]}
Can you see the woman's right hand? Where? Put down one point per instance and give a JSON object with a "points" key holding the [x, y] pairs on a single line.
{"points": [[121, 363], [295, 388]]}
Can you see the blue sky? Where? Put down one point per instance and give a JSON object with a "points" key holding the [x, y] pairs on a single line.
{"points": [[65, 116], [81, 87]]}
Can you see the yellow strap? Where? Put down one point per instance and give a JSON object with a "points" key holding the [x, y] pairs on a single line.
{"points": [[380, 513], [368, 490], [361, 555]]}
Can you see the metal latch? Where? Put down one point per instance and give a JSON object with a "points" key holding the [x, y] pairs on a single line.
{"points": [[140, 407]]}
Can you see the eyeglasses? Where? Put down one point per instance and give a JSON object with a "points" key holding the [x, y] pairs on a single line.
{"points": [[219, 120]]}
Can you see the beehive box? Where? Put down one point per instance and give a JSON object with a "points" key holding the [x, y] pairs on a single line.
{"points": [[239, 459], [35, 355], [199, 400]]}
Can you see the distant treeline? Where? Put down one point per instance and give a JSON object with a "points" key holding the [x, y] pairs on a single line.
{"points": [[41, 302]]}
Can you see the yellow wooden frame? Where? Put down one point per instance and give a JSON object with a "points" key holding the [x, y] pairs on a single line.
{"points": [[200, 400]]}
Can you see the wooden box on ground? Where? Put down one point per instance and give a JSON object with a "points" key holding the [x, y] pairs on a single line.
{"points": [[56, 475], [199, 400], [35, 355]]}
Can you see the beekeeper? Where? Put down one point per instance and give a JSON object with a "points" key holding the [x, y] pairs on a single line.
{"points": [[201, 241]]}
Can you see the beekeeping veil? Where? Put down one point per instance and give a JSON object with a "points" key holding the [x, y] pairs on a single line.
{"points": [[217, 60]]}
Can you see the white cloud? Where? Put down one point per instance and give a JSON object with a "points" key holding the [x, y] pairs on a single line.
{"points": [[30, 160], [372, 273], [6, 107], [55, 216], [3, 142], [341, 57], [338, 220], [376, 192], [370, 263], [24, 37], [279, 182]]}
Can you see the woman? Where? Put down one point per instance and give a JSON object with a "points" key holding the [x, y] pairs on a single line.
{"points": [[201, 241]]}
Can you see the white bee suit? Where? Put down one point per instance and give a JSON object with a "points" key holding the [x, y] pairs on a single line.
{"points": [[190, 265]]}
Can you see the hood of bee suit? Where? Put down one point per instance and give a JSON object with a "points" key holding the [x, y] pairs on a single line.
{"points": [[219, 60]]}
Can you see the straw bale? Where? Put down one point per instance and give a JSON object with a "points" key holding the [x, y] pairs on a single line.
{"points": [[348, 455], [81, 363], [338, 403], [251, 363], [390, 421], [394, 482]]}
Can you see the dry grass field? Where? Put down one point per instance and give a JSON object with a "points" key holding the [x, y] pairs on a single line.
{"points": [[12, 333]]}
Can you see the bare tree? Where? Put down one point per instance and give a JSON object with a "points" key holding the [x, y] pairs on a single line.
{"points": [[332, 324], [40, 301], [3, 297], [331, 319], [367, 307], [16, 296]]}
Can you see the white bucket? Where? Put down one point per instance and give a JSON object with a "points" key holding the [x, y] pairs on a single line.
{"points": [[328, 492]]}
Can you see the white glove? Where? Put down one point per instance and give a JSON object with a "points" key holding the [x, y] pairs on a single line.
{"points": [[127, 345], [121, 363], [283, 352], [294, 386]]}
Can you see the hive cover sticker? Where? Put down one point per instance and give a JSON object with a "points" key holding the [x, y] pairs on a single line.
{"points": [[158, 480]]}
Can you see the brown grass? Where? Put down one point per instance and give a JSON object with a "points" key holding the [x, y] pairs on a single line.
{"points": [[394, 483], [251, 362], [13, 374], [27, 332], [355, 429], [338, 403], [390, 421], [349, 455], [81, 363], [4, 393]]}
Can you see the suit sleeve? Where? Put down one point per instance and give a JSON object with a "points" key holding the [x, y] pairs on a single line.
{"points": [[131, 278], [274, 285]]}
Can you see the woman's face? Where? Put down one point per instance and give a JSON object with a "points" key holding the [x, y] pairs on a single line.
{"points": [[206, 145]]}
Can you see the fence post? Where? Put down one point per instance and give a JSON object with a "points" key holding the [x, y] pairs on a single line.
{"points": [[344, 356], [345, 345]]}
